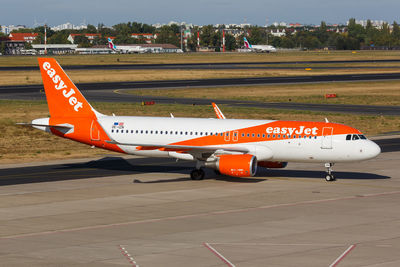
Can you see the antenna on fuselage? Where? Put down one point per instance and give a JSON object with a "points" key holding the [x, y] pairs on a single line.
{"points": [[326, 120]]}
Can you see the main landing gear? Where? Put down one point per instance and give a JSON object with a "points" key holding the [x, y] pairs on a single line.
{"points": [[329, 176], [197, 174]]}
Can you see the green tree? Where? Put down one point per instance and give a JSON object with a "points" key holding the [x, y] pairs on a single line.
{"points": [[82, 41], [167, 36], [230, 42], [91, 29]]}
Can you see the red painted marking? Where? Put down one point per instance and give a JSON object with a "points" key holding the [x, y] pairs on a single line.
{"points": [[341, 257], [309, 202], [129, 258], [219, 255]]}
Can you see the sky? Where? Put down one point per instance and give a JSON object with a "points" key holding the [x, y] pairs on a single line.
{"points": [[201, 12]]}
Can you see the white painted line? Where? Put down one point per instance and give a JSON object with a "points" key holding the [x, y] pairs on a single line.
{"points": [[219, 255], [341, 257], [128, 256]]}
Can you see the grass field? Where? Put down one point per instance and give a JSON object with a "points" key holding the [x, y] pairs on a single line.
{"points": [[356, 93], [25, 144], [203, 57]]}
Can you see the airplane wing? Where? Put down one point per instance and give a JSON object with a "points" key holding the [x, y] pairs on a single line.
{"points": [[181, 147], [219, 113]]}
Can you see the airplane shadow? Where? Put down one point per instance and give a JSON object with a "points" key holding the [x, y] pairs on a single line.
{"points": [[321, 174], [114, 166]]}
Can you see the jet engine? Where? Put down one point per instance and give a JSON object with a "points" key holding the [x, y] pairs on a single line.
{"points": [[236, 165]]}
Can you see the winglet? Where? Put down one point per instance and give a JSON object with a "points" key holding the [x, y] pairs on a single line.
{"points": [[219, 113]]}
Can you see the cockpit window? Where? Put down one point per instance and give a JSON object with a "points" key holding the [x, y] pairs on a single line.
{"points": [[362, 136], [355, 137], [348, 137]]}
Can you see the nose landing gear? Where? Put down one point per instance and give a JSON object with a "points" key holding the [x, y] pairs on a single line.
{"points": [[329, 176]]}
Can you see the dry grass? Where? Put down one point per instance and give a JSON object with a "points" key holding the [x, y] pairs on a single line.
{"points": [[203, 57], [25, 144], [358, 93]]}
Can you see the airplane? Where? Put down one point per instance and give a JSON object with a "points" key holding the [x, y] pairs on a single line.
{"points": [[232, 147], [259, 48], [127, 49]]}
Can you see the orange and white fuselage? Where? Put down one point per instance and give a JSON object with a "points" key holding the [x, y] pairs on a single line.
{"points": [[233, 147]]}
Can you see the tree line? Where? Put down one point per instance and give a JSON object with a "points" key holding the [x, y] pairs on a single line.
{"points": [[351, 37]]}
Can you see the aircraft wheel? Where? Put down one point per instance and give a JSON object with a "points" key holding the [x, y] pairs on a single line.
{"points": [[197, 174], [329, 178]]}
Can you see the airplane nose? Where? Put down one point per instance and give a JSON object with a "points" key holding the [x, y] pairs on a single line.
{"points": [[373, 150]]}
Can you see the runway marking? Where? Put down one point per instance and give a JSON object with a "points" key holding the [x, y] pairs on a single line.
{"points": [[219, 255], [341, 257], [212, 213], [128, 256]]}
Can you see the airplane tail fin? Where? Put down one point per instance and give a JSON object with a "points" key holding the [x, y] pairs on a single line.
{"points": [[246, 43], [63, 97], [111, 44]]}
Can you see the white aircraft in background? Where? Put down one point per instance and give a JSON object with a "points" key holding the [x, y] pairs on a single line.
{"points": [[231, 147], [259, 48], [127, 49]]}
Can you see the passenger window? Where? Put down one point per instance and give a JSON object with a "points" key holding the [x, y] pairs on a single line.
{"points": [[263, 135], [248, 135], [284, 136], [273, 136], [242, 134], [186, 133], [195, 133], [147, 132], [137, 131], [355, 137], [348, 137], [258, 135], [191, 133], [235, 134], [151, 132], [269, 136], [116, 131], [112, 131], [181, 133], [222, 134], [279, 136], [252, 135], [131, 131], [294, 136], [141, 131], [201, 133]]}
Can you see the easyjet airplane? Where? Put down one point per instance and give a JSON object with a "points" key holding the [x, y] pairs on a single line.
{"points": [[231, 147]]}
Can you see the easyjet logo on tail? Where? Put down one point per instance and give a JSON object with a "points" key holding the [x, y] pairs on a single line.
{"points": [[59, 85]]}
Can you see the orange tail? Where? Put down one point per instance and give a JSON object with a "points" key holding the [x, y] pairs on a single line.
{"points": [[63, 97]]}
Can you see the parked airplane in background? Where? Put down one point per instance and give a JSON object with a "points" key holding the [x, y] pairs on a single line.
{"points": [[259, 48], [126, 49], [231, 147]]}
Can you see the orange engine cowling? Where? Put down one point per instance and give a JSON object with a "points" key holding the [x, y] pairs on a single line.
{"points": [[237, 165], [272, 164]]}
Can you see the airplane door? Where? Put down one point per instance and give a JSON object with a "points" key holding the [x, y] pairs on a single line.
{"points": [[94, 131], [227, 137], [235, 136], [327, 138]]}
